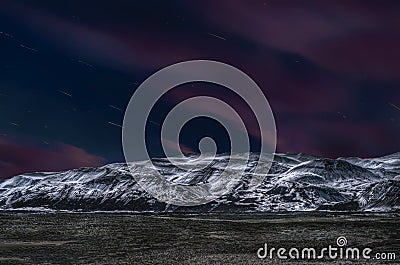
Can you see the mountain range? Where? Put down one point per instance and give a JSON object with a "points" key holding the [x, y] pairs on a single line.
{"points": [[295, 182]]}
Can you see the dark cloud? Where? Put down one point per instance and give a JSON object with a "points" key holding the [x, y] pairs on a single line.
{"points": [[19, 156], [355, 39]]}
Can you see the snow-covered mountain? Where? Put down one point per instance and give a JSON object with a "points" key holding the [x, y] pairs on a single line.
{"points": [[296, 182]]}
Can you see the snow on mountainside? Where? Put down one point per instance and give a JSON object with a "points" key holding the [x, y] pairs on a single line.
{"points": [[296, 182]]}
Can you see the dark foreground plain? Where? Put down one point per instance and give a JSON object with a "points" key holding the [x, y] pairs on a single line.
{"points": [[61, 238]]}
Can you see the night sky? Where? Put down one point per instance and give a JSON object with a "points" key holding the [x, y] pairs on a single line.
{"points": [[330, 70]]}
